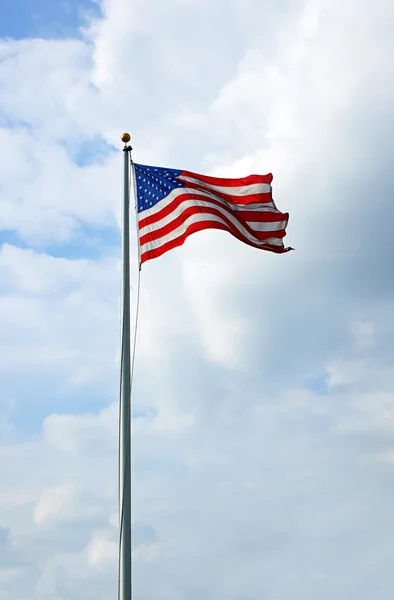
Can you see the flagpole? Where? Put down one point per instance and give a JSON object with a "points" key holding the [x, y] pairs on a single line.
{"points": [[125, 550]]}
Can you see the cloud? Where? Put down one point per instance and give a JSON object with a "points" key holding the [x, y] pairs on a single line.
{"points": [[102, 549], [51, 503], [263, 398], [40, 295]]}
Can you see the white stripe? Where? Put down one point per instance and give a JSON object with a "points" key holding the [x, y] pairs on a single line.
{"points": [[260, 207], [177, 212], [242, 190], [176, 233]]}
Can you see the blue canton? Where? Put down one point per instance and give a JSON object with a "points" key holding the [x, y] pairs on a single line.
{"points": [[153, 184]]}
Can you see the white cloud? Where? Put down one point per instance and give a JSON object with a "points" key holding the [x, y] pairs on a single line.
{"points": [[42, 298], [52, 504], [102, 549], [263, 392]]}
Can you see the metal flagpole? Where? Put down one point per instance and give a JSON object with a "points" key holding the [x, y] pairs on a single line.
{"points": [[125, 570]]}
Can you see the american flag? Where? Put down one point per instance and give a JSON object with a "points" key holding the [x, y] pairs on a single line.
{"points": [[173, 204]]}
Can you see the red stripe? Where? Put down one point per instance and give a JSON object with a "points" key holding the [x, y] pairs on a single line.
{"points": [[249, 180], [193, 210], [258, 216], [239, 200], [194, 227]]}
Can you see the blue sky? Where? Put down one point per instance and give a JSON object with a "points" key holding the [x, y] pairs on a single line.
{"points": [[263, 445], [45, 19], [57, 20]]}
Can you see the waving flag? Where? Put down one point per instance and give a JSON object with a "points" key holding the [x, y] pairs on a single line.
{"points": [[173, 204]]}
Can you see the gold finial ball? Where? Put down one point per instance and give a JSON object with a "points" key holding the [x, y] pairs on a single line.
{"points": [[125, 137]]}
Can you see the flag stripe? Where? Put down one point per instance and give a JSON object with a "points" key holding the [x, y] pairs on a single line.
{"points": [[277, 221], [252, 194], [255, 189], [176, 197], [148, 252], [226, 182], [152, 240]]}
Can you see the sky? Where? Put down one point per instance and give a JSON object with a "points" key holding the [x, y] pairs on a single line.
{"points": [[263, 401]]}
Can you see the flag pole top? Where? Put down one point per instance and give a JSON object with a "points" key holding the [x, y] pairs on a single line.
{"points": [[125, 137]]}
